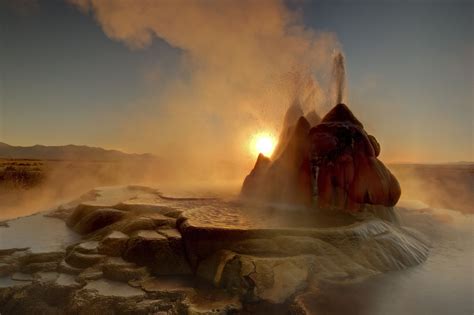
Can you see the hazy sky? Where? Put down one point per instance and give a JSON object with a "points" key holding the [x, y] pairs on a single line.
{"points": [[409, 63]]}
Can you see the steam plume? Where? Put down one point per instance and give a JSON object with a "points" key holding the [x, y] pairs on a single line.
{"points": [[234, 56]]}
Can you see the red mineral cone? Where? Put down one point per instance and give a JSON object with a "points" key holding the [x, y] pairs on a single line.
{"points": [[336, 160]]}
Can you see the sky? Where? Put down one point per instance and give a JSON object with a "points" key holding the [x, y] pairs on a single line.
{"points": [[85, 73]]}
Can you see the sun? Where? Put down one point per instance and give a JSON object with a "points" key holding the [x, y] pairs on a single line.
{"points": [[263, 143]]}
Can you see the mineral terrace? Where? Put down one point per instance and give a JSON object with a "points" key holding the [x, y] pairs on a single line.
{"points": [[133, 250]]}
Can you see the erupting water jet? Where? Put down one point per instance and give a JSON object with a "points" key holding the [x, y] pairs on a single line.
{"points": [[338, 84]]}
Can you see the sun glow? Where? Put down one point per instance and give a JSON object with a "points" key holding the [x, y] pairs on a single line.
{"points": [[263, 143]]}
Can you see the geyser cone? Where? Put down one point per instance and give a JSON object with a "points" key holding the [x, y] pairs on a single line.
{"points": [[313, 118], [349, 173], [292, 115], [254, 180], [341, 113], [335, 162], [287, 178]]}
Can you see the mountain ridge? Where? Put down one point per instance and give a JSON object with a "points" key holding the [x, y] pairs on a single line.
{"points": [[68, 152]]}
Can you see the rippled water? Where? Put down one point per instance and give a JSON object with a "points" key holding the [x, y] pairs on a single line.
{"points": [[236, 215]]}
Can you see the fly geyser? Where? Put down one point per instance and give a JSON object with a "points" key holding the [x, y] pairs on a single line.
{"points": [[136, 250], [327, 163], [332, 163]]}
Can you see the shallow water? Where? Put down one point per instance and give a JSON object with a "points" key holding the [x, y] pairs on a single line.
{"points": [[38, 233], [113, 288], [444, 284], [237, 215]]}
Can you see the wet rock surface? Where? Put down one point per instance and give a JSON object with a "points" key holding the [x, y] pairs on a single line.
{"points": [[148, 254], [328, 163]]}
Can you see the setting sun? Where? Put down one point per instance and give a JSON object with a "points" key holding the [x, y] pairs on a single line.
{"points": [[263, 143]]}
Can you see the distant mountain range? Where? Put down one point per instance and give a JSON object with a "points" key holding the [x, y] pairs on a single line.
{"points": [[68, 152]]}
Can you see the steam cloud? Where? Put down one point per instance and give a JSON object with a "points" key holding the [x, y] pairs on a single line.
{"points": [[243, 63]]}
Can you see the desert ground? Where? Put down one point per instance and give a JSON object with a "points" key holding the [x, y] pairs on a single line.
{"points": [[28, 185]]}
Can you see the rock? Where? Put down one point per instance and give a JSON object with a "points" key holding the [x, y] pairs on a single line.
{"points": [[211, 268], [165, 256], [142, 246], [374, 144], [120, 270], [304, 303], [7, 285], [113, 244], [290, 120], [87, 247], [91, 273], [42, 257], [113, 288], [41, 266], [58, 280], [342, 252], [9, 251], [332, 263], [34, 262], [213, 303], [155, 307], [171, 234], [79, 260], [6, 269], [105, 297], [47, 276], [97, 219], [66, 281], [66, 268], [80, 211], [18, 276], [161, 220], [137, 224], [34, 297], [175, 287], [273, 279], [15, 259]]}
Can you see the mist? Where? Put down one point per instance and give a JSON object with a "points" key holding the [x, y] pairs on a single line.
{"points": [[242, 63]]}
